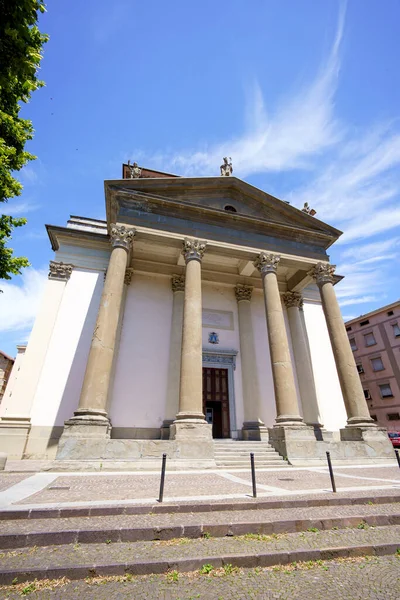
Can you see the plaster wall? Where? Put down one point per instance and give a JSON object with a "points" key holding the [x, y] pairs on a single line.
{"points": [[222, 298], [139, 391], [329, 395], [60, 384]]}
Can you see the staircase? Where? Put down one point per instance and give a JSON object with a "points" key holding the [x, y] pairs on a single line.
{"points": [[236, 454]]}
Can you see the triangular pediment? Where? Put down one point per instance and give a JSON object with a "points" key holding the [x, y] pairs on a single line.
{"points": [[221, 200]]}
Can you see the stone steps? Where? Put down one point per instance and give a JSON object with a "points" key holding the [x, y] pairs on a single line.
{"points": [[236, 454], [77, 547]]}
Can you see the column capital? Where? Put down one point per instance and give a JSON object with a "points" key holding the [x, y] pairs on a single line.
{"points": [[178, 283], [323, 273], [266, 262], [243, 292], [121, 236], [60, 271], [193, 249], [292, 299]]}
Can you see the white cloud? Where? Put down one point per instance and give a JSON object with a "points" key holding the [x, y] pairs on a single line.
{"points": [[19, 303], [17, 209]]}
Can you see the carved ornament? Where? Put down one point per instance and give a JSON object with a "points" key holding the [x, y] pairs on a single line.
{"points": [[121, 236], [60, 270], [323, 273], [267, 263], [243, 292], [292, 299], [178, 283], [193, 249], [128, 277]]}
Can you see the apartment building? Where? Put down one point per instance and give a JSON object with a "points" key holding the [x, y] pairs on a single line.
{"points": [[375, 341]]}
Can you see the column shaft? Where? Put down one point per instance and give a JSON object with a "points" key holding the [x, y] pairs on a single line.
{"points": [[253, 424], [175, 350], [353, 395], [94, 395], [284, 386], [191, 395]]}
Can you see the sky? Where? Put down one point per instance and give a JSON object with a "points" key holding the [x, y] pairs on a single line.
{"points": [[303, 95]]}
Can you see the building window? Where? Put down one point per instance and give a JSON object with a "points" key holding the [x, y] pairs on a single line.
{"points": [[367, 395], [396, 330], [386, 390], [377, 364], [360, 368], [353, 344], [393, 416], [230, 208], [390, 313], [373, 417], [348, 328], [366, 322], [369, 339]]}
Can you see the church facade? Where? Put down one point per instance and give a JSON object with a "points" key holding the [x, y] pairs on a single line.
{"points": [[201, 308]]}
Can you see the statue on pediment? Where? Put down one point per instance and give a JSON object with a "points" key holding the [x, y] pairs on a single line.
{"points": [[226, 168], [309, 211], [135, 170]]}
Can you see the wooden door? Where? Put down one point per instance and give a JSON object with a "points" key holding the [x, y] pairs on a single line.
{"points": [[216, 400]]}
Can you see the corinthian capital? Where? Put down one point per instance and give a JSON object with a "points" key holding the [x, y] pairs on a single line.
{"points": [[322, 273], [121, 236], [178, 283], [60, 270], [193, 249], [267, 263], [243, 292], [292, 299]]}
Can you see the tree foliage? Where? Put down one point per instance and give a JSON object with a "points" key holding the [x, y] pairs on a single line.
{"points": [[20, 55]]}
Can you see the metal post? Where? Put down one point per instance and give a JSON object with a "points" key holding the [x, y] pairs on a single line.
{"points": [[164, 461], [253, 475], [328, 456], [397, 456]]}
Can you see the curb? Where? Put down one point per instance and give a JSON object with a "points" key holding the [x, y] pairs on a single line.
{"points": [[192, 564], [149, 534], [102, 511]]}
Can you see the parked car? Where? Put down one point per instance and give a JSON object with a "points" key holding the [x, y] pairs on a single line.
{"points": [[395, 438]]}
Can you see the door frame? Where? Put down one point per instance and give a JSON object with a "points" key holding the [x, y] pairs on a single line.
{"points": [[224, 359]]}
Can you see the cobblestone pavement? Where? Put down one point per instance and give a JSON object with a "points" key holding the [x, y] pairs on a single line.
{"points": [[172, 550], [171, 519], [9, 479], [355, 579]]}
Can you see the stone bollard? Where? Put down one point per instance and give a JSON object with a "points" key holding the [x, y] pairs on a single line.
{"points": [[3, 460]]}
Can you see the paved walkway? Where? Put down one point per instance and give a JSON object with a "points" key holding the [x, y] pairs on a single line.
{"points": [[369, 578], [54, 490]]}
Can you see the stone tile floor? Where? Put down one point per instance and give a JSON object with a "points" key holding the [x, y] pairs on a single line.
{"points": [[86, 488], [369, 578]]}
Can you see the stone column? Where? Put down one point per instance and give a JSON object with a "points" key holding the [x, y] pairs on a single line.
{"points": [[175, 346], [302, 359], [353, 395], [253, 426], [190, 421], [92, 408], [287, 410]]}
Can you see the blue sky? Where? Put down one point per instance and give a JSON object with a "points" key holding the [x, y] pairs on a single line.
{"points": [[303, 95]]}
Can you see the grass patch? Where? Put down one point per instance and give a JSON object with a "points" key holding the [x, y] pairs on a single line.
{"points": [[206, 569], [173, 577]]}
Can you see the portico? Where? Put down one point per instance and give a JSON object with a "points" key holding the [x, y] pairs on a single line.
{"points": [[190, 285]]}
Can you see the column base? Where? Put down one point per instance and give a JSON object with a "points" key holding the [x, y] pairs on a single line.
{"points": [[364, 433], [254, 431], [361, 422], [191, 429], [84, 437], [290, 421]]}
